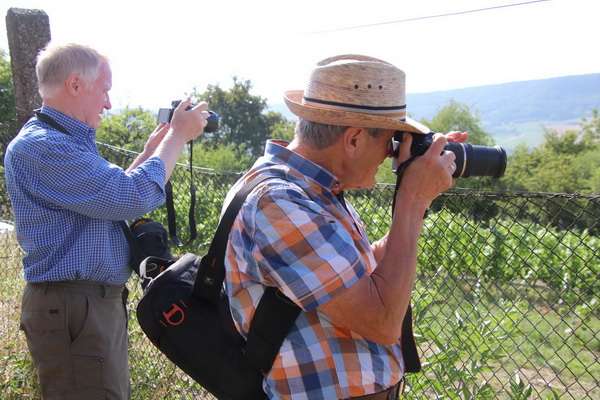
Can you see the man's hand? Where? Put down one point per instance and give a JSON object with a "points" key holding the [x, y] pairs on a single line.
{"points": [[457, 136], [189, 124], [430, 174]]}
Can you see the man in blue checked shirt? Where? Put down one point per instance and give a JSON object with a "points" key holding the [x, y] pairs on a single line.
{"points": [[67, 203]]}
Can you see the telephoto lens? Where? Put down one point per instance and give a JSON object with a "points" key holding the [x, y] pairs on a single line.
{"points": [[471, 160]]}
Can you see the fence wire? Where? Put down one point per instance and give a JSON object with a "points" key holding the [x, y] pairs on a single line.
{"points": [[505, 303]]}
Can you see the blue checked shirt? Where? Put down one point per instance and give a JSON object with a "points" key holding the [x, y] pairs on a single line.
{"points": [[67, 201], [299, 234]]}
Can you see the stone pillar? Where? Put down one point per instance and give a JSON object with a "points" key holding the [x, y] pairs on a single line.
{"points": [[28, 32]]}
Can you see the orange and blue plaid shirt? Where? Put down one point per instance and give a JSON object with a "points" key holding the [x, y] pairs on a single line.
{"points": [[297, 232]]}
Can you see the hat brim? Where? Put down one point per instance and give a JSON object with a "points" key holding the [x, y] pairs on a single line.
{"points": [[293, 100]]}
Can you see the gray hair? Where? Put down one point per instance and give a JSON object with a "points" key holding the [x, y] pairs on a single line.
{"points": [[58, 61], [321, 136]]}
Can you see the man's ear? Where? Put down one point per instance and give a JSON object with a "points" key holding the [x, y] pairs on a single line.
{"points": [[353, 138], [74, 84]]}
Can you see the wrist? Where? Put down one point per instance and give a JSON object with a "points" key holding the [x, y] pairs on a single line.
{"points": [[172, 139], [409, 203]]}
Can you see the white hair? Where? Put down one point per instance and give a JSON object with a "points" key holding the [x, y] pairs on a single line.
{"points": [[59, 61]]}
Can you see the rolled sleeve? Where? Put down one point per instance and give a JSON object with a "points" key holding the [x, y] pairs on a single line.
{"points": [[89, 185]]}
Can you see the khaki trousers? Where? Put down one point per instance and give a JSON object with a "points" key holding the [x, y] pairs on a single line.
{"points": [[76, 332]]}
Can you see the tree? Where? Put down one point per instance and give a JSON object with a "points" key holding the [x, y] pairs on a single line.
{"points": [[564, 163], [223, 158], [245, 121], [8, 115], [245, 124], [128, 129], [452, 117], [8, 126], [460, 117]]}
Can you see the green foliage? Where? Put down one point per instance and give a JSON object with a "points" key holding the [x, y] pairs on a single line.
{"points": [[460, 117], [465, 350], [563, 163], [128, 129], [385, 173], [224, 157], [519, 390], [8, 127], [8, 115], [245, 122], [508, 252], [17, 380], [282, 129]]}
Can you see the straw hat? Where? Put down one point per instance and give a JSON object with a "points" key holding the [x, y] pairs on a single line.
{"points": [[355, 90]]}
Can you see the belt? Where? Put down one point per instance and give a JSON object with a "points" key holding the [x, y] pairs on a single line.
{"points": [[391, 393], [97, 288]]}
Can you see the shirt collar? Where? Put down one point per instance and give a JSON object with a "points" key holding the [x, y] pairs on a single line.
{"points": [[74, 126], [276, 151]]}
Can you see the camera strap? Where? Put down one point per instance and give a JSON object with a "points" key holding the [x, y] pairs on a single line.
{"points": [[399, 172], [410, 353], [50, 121], [172, 215]]}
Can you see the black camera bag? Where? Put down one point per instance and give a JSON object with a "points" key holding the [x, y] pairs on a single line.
{"points": [[185, 313]]}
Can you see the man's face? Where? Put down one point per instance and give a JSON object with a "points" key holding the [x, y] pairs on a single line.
{"points": [[370, 156], [95, 98]]}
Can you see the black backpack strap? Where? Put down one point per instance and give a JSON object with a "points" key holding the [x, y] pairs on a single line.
{"points": [[275, 313], [272, 321], [211, 273], [410, 354]]}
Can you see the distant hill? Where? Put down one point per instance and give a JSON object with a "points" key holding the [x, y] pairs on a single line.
{"points": [[516, 111]]}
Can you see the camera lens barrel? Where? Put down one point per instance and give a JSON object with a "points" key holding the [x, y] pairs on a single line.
{"points": [[474, 160], [212, 122], [471, 160]]}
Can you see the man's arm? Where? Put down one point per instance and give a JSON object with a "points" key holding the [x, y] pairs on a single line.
{"points": [[167, 140], [453, 136], [374, 307]]}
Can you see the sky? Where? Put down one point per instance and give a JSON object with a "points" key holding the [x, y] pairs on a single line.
{"points": [[162, 50]]}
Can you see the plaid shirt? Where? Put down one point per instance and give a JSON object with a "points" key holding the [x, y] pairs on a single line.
{"points": [[300, 235], [67, 201]]}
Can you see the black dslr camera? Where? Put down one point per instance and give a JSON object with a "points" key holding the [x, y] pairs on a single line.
{"points": [[471, 160], [166, 114]]}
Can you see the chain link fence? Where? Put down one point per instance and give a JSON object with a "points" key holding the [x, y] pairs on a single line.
{"points": [[505, 304]]}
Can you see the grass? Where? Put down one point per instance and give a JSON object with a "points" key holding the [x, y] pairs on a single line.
{"points": [[477, 342], [551, 349]]}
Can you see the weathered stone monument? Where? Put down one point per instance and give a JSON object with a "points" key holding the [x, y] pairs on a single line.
{"points": [[28, 32]]}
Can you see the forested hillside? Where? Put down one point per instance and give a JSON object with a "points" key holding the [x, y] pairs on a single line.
{"points": [[556, 99], [516, 111]]}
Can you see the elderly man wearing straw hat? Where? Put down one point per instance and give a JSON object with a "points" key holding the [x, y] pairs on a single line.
{"points": [[298, 233]]}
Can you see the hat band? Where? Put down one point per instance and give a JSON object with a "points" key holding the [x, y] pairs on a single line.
{"points": [[393, 112]]}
